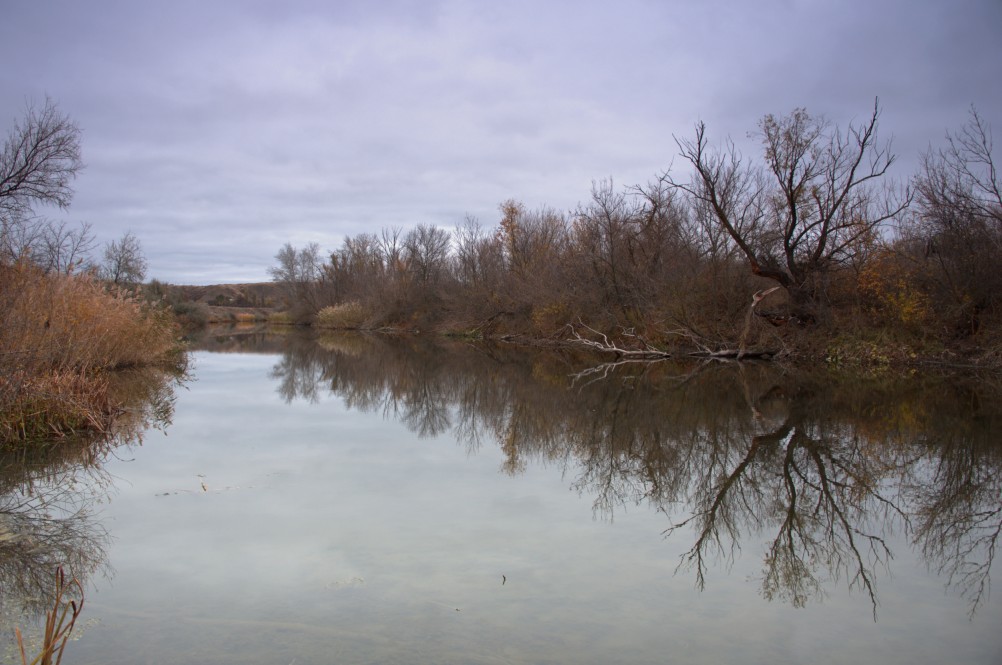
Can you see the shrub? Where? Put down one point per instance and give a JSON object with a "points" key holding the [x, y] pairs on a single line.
{"points": [[192, 314], [347, 315], [551, 319], [280, 318], [61, 334]]}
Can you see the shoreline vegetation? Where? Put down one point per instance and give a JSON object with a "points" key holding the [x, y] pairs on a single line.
{"points": [[69, 324], [87, 363], [64, 339], [808, 254]]}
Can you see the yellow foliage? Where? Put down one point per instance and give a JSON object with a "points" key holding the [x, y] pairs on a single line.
{"points": [[893, 293]]}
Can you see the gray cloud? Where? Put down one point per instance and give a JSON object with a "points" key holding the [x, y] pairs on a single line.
{"points": [[218, 131]]}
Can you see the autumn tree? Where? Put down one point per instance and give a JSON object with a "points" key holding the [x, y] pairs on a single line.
{"points": [[801, 216], [529, 238]]}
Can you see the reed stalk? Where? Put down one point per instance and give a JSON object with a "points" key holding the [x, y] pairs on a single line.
{"points": [[59, 622]]}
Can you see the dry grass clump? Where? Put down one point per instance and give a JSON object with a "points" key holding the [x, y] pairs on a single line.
{"points": [[350, 315], [60, 336], [280, 318]]}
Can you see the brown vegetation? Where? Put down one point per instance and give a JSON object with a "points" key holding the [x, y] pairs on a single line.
{"points": [[808, 253], [196, 306], [61, 337]]}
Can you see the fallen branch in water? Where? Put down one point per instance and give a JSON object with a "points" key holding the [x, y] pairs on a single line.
{"points": [[648, 352], [726, 353]]}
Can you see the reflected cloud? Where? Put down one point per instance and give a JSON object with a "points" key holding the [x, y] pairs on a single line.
{"points": [[48, 495]]}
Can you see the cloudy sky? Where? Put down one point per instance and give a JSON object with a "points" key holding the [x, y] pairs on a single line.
{"points": [[218, 131]]}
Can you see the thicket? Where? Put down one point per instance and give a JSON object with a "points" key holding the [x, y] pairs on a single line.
{"points": [[808, 251], [61, 338]]}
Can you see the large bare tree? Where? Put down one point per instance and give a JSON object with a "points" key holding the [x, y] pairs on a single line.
{"points": [[39, 160], [805, 212]]}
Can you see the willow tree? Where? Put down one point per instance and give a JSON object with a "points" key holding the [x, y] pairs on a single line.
{"points": [[806, 212]]}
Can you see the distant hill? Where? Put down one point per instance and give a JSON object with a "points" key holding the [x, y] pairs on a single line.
{"points": [[261, 295]]}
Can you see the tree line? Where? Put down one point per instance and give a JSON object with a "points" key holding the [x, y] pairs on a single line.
{"points": [[804, 248]]}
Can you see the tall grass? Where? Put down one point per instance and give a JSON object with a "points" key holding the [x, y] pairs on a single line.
{"points": [[350, 315], [60, 337]]}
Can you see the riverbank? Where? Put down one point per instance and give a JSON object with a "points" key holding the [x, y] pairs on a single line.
{"points": [[847, 339], [63, 339]]}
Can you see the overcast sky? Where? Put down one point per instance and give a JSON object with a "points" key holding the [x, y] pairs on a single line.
{"points": [[218, 131]]}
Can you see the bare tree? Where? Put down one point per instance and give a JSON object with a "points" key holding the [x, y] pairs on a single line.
{"points": [[19, 238], [39, 160], [962, 180], [605, 228], [355, 270], [801, 216], [959, 225], [298, 271], [49, 245], [426, 252], [63, 248], [391, 248], [124, 262], [479, 259]]}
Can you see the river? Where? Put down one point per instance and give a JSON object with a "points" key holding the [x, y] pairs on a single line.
{"points": [[371, 499]]}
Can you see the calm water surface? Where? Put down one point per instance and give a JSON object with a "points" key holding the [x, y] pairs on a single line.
{"points": [[379, 500]]}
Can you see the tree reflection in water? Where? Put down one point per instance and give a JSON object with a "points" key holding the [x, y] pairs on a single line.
{"points": [[824, 467], [47, 494]]}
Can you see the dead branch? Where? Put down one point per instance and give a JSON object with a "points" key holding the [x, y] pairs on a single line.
{"points": [[757, 297], [647, 352]]}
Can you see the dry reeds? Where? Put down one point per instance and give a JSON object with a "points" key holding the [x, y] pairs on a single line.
{"points": [[59, 622], [60, 336], [349, 315]]}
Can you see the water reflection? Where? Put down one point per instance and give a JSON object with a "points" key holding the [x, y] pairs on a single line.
{"points": [[49, 492], [823, 470]]}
